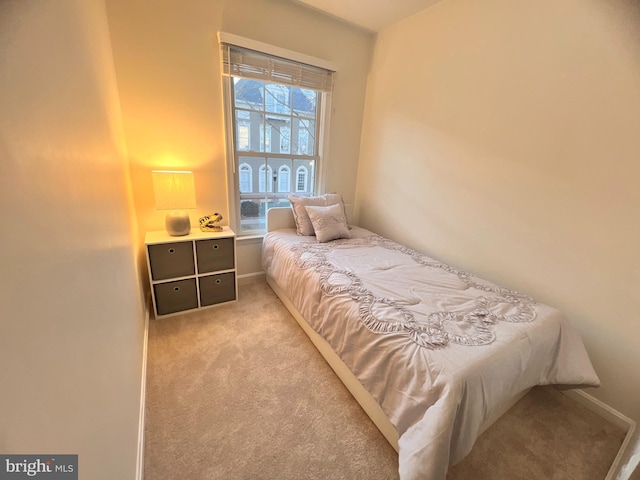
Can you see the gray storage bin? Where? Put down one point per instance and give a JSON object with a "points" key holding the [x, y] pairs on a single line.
{"points": [[214, 255], [171, 260], [176, 296], [217, 288]]}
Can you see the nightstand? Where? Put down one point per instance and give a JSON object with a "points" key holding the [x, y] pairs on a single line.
{"points": [[191, 272]]}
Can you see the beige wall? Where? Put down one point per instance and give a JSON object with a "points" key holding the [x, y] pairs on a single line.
{"points": [[167, 63], [71, 315], [503, 137]]}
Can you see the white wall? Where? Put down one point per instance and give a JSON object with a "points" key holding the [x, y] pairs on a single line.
{"points": [[503, 137], [71, 314], [168, 68]]}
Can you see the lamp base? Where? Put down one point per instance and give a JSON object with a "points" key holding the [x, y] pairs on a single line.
{"points": [[178, 224]]}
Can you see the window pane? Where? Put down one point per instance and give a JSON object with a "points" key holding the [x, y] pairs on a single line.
{"points": [[304, 102], [264, 183], [303, 137], [279, 134], [277, 98], [243, 133], [250, 134], [248, 94], [304, 178]]}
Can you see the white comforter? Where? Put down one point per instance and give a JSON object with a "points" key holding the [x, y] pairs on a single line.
{"points": [[439, 349]]}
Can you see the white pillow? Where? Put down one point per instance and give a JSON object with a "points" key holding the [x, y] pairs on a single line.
{"points": [[303, 223], [329, 223]]}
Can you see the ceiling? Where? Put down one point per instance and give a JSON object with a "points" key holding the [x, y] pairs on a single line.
{"points": [[373, 15]]}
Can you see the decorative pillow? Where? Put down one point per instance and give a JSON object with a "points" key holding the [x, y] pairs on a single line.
{"points": [[329, 223], [303, 223]]}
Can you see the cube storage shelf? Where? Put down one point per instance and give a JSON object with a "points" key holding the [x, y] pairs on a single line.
{"points": [[191, 272]]}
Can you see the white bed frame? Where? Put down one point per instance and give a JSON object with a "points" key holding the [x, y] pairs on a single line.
{"points": [[282, 217]]}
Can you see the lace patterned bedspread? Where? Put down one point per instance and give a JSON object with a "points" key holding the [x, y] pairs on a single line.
{"points": [[438, 348]]}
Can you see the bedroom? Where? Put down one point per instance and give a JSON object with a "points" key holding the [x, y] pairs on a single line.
{"points": [[513, 147]]}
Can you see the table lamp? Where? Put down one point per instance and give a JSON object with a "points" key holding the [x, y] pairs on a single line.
{"points": [[175, 191]]}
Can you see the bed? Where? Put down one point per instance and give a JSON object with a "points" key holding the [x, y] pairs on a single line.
{"points": [[433, 354]]}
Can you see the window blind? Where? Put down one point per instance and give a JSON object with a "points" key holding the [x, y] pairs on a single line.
{"points": [[243, 62]]}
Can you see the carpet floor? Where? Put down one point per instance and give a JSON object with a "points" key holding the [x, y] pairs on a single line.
{"points": [[239, 392]]}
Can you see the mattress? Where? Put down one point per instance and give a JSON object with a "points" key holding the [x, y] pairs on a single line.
{"points": [[439, 349]]}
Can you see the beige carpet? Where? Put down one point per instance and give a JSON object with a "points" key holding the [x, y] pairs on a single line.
{"points": [[238, 392]]}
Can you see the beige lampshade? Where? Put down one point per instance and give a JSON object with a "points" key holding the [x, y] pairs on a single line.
{"points": [[173, 190]]}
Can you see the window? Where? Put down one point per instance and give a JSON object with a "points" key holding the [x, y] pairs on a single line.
{"points": [[244, 132], [303, 135], [275, 119], [277, 99], [301, 179], [284, 179], [265, 181], [246, 178]]}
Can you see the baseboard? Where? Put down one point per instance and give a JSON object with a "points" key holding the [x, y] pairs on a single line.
{"points": [[250, 277], [614, 417], [143, 389]]}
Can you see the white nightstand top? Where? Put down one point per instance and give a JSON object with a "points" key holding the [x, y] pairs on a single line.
{"points": [[161, 236]]}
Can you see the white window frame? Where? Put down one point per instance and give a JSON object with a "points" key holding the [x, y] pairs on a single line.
{"points": [[322, 126]]}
